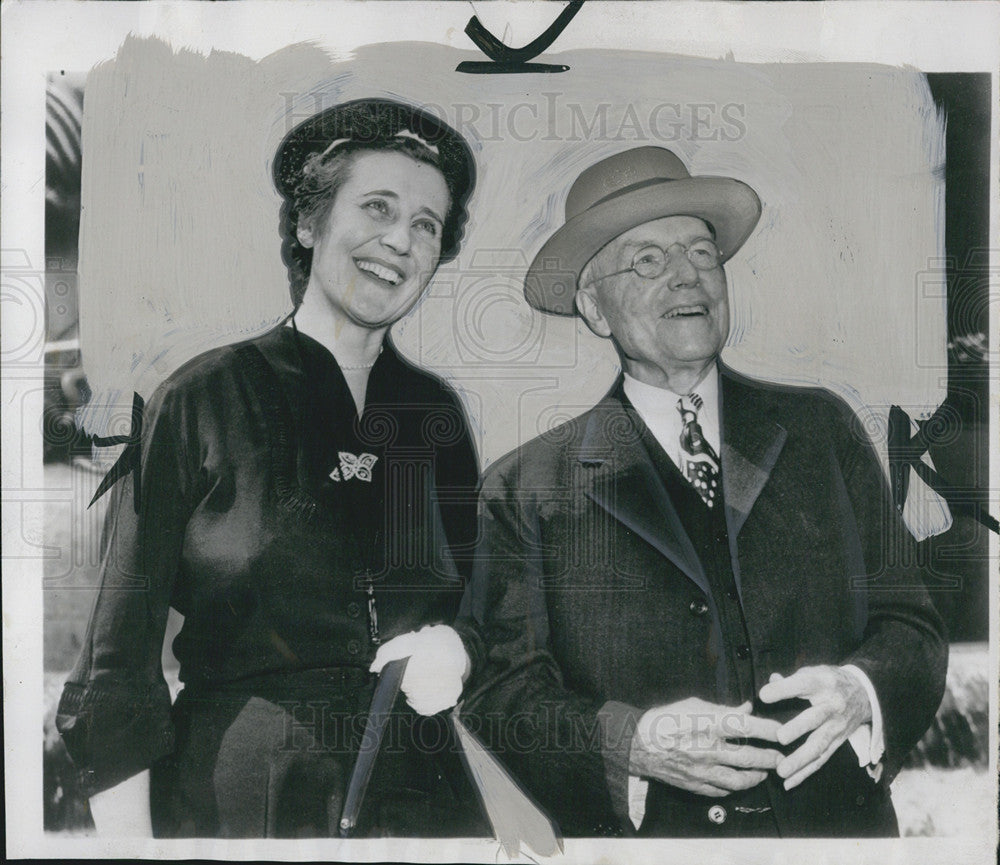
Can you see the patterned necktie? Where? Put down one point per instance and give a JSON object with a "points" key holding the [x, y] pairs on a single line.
{"points": [[700, 465]]}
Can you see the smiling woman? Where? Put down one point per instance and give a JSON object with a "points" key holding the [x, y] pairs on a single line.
{"points": [[372, 207], [306, 498]]}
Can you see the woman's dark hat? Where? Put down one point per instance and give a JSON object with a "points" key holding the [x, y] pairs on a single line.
{"points": [[621, 192], [370, 123]]}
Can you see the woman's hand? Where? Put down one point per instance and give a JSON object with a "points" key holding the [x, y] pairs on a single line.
{"points": [[436, 671], [123, 810]]}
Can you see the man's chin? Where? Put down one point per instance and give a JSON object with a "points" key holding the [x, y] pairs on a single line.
{"points": [[693, 354], [691, 330]]}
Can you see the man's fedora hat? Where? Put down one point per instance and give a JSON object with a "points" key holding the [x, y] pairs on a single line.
{"points": [[621, 192]]}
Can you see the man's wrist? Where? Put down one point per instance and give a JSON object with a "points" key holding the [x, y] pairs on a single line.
{"points": [[876, 739], [870, 700]]}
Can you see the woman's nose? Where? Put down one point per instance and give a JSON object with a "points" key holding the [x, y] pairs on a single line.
{"points": [[397, 238]]}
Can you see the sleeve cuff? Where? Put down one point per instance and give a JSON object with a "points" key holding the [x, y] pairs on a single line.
{"points": [[472, 644], [618, 722], [868, 740], [637, 790], [112, 733]]}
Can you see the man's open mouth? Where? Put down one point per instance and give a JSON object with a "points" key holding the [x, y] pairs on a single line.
{"points": [[685, 311], [388, 275]]}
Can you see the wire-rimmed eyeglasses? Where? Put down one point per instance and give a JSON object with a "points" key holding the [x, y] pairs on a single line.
{"points": [[651, 261]]}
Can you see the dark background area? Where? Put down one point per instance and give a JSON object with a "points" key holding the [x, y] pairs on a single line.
{"points": [[961, 554]]}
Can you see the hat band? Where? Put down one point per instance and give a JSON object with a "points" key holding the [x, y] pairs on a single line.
{"points": [[634, 187], [403, 133], [406, 133]]}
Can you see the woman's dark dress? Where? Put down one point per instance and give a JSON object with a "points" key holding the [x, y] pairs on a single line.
{"points": [[267, 509]]}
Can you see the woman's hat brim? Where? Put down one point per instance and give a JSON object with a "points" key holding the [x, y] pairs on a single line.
{"points": [[730, 206], [369, 122]]}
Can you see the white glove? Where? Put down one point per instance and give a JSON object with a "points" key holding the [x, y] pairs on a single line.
{"points": [[436, 670]]}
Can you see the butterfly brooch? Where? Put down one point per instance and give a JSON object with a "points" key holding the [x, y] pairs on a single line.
{"points": [[352, 466]]}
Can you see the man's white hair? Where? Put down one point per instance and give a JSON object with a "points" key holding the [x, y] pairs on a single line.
{"points": [[590, 270], [586, 275]]}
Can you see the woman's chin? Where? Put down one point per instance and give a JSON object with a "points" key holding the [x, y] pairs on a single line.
{"points": [[377, 319], [378, 315]]}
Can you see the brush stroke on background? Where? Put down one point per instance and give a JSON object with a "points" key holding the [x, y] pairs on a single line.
{"points": [[180, 249]]}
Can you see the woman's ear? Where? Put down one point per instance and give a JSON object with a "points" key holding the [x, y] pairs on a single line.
{"points": [[304, 232], [590, 310]]}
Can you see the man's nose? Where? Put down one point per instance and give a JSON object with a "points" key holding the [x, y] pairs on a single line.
{"points": [[680, 273], [397, 237]]}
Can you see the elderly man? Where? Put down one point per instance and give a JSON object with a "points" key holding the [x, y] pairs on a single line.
{"points": [[695, 611]]}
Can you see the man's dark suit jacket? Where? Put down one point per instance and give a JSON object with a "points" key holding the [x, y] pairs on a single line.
{"points": [[590, 606]]}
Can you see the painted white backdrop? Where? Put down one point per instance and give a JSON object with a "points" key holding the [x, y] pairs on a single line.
{"points": [[841, 284]]}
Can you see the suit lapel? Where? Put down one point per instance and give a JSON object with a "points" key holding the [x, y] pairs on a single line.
{"points": [[621, 478], [751, 443]]}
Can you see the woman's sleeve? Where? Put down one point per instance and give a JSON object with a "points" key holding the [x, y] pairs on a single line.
{"points": [[114, 715], [457, 480]]}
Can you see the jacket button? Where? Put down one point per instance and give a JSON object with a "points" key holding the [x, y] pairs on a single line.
{"points": [[721, 537], [353, 609], [743, 652], [353, 646], [717, 814], [698, 607], [732, 594]]}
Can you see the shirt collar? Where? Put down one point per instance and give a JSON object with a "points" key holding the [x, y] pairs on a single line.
{"points": [[657, 407]]}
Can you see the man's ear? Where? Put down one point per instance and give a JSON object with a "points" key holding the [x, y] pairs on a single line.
{"points": [[304, 232], [590, 310]]}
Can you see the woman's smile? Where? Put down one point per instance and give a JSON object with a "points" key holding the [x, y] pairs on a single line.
{"points": [[381, 270]]}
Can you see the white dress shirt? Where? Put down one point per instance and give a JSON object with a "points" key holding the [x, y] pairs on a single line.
{"points": [[658, 409]]}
